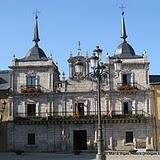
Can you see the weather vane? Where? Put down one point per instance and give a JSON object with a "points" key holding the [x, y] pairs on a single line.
{"points": [[122, 7], [36, 13]]}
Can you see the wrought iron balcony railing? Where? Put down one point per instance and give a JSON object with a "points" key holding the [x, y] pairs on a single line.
{"points": [[127, 86], [131, 86], [74, 116], [31, 89]]}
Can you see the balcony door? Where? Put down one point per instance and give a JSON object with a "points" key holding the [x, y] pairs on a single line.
{"points": [[31, 109], [79, 109], [126, 79], [127, 108], [32, 81]]}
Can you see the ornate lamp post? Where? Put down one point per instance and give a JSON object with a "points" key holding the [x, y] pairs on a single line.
{"points": [[99, 71]]}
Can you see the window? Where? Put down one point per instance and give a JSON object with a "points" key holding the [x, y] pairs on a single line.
{"points": [[31, 138], [31, 109], [10, 109], [127, 107], [79, 109], [129, 137], [126, 79], [147, 77], [31, 81], [148, 111]]}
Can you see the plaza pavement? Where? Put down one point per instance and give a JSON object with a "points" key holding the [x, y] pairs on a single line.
{"points": [[70, 156]]}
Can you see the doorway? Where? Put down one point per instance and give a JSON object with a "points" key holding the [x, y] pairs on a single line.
{"points": [[79, 140], [31, 109], [125, 107]]}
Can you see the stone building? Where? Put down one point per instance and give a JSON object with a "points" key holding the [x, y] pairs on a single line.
{"points": [[53, 114], [155, 86], [4, 107]]}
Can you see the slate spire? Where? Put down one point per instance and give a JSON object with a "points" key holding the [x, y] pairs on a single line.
{"points": [[79, 48], [123, 28], [36, 38]]}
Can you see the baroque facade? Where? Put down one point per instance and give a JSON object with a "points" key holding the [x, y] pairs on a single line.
{"points": [[52, 114]]}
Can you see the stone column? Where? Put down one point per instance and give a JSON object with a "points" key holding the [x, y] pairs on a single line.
{"points": [[24, 109], [152, 142], [70, 70], [87, 68], [133, 107], [132, 78], [10, 108], [147, 138], [111, 142], [37, 109], [134, 142]]}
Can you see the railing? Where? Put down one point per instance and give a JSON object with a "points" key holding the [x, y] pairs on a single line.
{"points": [[73, 116], [31, 89], [127, 86], [130, 86]]}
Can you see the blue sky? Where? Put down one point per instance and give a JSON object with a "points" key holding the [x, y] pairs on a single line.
{"points": [[62, 23]]}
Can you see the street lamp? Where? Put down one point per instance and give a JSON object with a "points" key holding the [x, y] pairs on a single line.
{"points": [[98, 73]]}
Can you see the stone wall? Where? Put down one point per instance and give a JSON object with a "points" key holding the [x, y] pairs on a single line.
{"points": [[59, 137]]}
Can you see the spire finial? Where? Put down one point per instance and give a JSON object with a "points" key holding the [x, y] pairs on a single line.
{"points": [[63, 76], [123, 28], [14, 57], [122, 7], [36, 14], [79, 48], [36, 34], [50, 55]]}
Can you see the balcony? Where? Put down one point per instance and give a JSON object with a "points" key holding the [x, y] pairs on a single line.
{"points": [[31, 89], [87, 117], [128, 87], [134, 114]]}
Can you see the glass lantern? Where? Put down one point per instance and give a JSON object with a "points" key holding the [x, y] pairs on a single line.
{"points": [[79, 67], [118, 65]]}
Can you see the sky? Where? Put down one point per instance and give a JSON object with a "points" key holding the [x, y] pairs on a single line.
{"points": [[62, 23]]}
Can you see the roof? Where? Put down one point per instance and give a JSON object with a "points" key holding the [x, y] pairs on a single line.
{"points": [[34, 54], [4, 80], [76, 58], [154, 79], [124, 50]]}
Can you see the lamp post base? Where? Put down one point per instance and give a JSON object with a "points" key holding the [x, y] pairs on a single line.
{"points": [[100, 157]]}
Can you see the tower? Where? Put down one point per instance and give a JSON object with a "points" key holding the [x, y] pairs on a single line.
{"points": [[78, 59]]}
